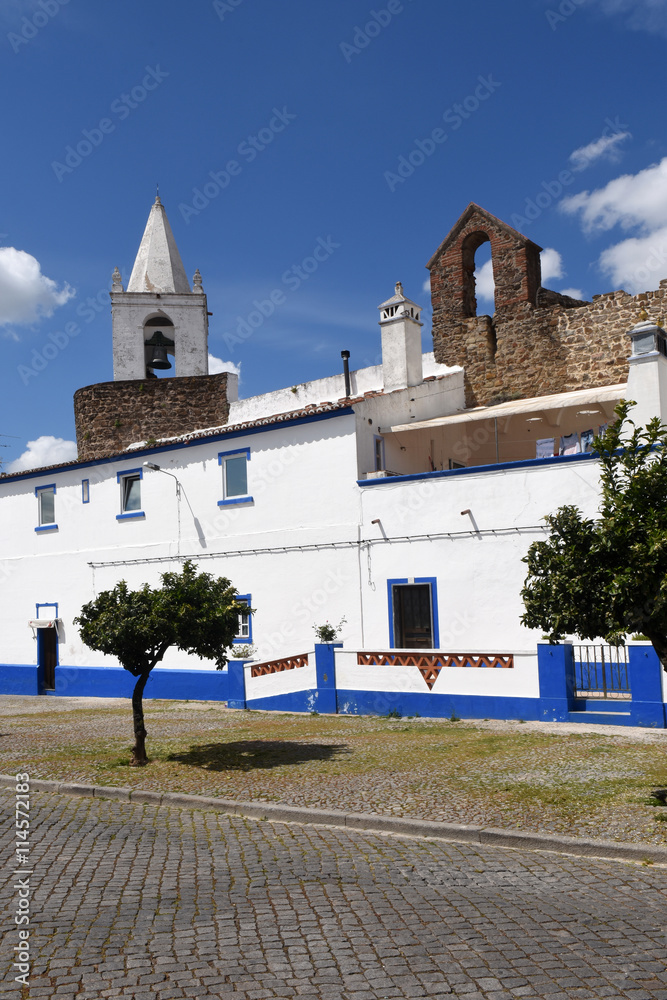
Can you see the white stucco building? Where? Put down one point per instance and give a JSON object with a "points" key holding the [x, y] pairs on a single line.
{"points": [[385, 502]]}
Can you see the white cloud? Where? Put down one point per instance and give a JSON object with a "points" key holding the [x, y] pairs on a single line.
{"points": [[604, 146], [484, 283], [574, 293], [644, 15], [45, 450], [630, 200], [426, 287], [26, 294], [637, 264], [217, 365], [552, 264]]}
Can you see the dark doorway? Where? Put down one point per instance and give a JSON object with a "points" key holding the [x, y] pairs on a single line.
{"points": [[47, 657], [413, 618]]}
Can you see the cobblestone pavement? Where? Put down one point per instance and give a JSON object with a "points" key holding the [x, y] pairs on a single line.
{"points": [[139, 901], [555, 778]]}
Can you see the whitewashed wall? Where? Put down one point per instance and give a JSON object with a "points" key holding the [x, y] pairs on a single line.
{"points": [[282, 682], [320, 556], [479, 573], [302, 479]]}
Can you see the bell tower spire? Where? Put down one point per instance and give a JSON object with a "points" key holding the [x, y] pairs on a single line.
{"points": [[158, 314]]}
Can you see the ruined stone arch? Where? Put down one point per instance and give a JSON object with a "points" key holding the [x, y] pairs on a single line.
{"points": [[516, 266], [469, 247]]}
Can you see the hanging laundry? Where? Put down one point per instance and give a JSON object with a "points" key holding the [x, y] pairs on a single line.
{"points": [[569, 444], [587, 440], [545, 447]]}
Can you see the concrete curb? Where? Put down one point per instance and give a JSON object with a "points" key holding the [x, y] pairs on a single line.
{"points": [[366, 822]]}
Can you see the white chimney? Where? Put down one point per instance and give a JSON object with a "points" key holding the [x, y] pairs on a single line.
{"points": [[401, 341], [647, 373]]}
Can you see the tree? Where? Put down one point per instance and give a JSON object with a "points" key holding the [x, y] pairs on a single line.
{"points": [[606, 578], [193, 611]]}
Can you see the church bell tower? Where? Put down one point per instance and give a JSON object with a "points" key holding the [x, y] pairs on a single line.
{"points": [[159, 323]]}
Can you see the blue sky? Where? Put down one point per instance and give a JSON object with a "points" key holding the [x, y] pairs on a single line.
{"points": [[550, 115]]}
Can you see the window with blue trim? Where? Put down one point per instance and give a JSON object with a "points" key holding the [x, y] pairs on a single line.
{"points": [[244, 634], [130, 494], [46, 508], [234, 465], [413, 613], [85, 491]]}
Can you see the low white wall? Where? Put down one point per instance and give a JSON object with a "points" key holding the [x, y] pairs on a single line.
{"points": [[284, 682], [519, 681]]}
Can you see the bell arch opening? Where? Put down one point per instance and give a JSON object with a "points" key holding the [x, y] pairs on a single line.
{"points": [[477, 267], [159, 344]]}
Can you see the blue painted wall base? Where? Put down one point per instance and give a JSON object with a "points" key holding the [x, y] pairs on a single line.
{"points": [[437, 706], [19, 678], [556, 702], [114, 682]]}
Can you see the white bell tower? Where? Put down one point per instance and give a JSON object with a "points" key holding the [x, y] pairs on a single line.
{"points": [[158, 319]]}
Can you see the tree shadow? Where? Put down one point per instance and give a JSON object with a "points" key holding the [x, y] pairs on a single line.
{"points": [[251, 755]]}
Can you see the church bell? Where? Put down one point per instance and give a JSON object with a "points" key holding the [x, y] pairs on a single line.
{"points": [[160, 359]]}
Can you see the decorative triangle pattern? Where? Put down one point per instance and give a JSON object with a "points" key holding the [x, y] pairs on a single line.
{"points": [[430, 664], [276, 666]]}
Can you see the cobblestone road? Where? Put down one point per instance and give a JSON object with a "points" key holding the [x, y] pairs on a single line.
{"points": [[143, 901]]}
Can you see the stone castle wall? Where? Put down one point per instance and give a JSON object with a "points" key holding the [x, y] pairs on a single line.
{"points": [[538, 342], [110, 416]]}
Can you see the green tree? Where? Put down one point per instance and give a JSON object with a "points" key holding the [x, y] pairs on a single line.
{"points": [[193, 611], [607, 577]]}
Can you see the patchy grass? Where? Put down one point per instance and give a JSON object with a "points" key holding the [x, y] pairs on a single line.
{"points": [[529, 776]]}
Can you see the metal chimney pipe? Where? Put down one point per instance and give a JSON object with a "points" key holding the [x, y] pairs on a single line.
{"points": [[346, 371]]}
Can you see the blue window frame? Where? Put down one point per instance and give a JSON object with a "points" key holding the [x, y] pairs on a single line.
{"points": [[244, 635], [85, 491], [234, 465], [46, 507], [130, 494], [413, 613]]}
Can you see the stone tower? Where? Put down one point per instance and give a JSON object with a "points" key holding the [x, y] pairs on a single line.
{"points": [[158, 311], [159, 322]]}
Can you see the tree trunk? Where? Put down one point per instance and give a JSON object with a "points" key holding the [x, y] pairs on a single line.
{"points": [[139, 758], [659, 643]]}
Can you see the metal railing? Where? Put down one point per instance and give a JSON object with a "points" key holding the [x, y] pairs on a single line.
{"points": [[601, 672]]}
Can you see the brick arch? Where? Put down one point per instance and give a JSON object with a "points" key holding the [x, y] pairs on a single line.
{"points": [[516, 265]]}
